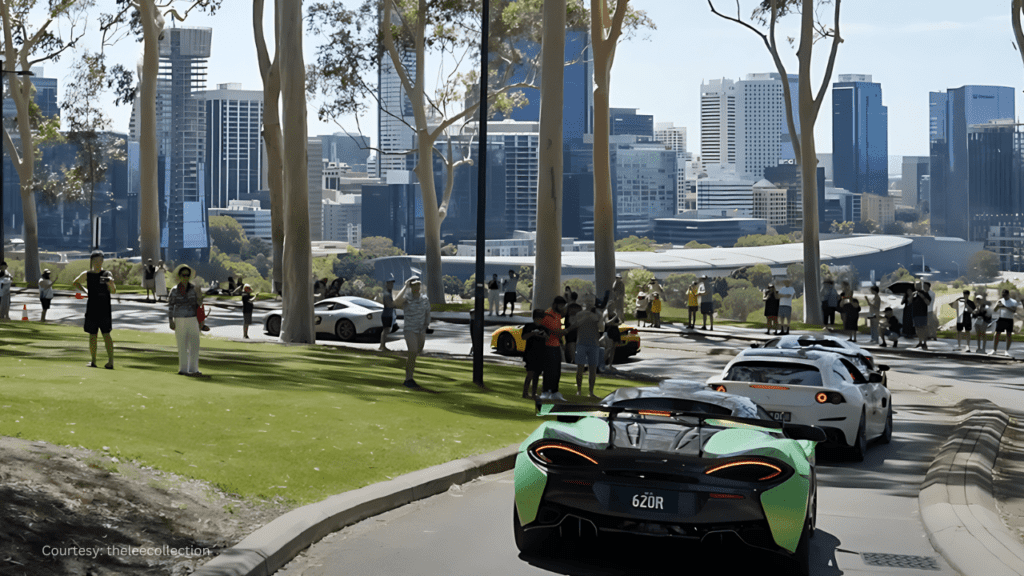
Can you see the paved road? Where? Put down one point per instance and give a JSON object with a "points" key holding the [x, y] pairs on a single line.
{"points": [[865, 509]]}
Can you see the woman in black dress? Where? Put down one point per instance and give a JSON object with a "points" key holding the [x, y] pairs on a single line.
{"points": [[771, 309], [99, 285]]}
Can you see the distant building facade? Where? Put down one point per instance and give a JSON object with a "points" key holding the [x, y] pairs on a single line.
{"points": [[254, 219], [860, 146], [234, 144], [762, 131], [718, 121], [915, 168]]}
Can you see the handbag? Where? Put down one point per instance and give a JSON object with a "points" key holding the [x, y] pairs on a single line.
{"points": [[201, 314]]}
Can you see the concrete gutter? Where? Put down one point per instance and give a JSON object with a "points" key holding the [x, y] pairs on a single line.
{"points": [[957, 506], [268, 549]]}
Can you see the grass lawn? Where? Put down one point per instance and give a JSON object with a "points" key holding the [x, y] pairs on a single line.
{"points": [[300, 422]]}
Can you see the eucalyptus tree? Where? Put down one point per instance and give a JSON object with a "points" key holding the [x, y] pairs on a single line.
{"points": [[270, 73], [812, 29], [357, 42], [34, 33]]}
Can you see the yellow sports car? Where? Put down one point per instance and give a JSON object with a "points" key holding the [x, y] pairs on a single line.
{"points": [[508, 340]]}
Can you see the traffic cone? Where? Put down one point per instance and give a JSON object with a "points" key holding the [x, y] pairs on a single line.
{"points": [[24, 312], [78, 296]]}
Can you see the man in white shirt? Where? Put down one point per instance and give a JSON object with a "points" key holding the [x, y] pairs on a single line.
{"points": [[416, 317], [786, 294], [1004, 309]]}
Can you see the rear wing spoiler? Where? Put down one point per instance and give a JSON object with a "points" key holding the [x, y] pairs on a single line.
{"points": [[791, 431]]}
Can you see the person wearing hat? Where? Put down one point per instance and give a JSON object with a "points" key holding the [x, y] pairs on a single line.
{"points": [[387, 318], [247, 307], [707, 302], [183, 302], [45, 293], [6, 280], [99, 286], [618, 296], [149, 278], [416, 310]]}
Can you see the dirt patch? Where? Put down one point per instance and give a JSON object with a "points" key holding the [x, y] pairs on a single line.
{"points": [[74, 512]]}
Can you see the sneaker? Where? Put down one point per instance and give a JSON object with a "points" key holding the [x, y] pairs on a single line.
{"points": [[544, 396], [1007, 353], [990, 352], [558, 396]]}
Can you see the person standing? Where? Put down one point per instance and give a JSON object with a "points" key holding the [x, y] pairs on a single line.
{"points": [[786, 294], [552, 322], [908, 314], [618, 296], [492, 294], [707, 303], [45, 293], [612, 337], [1005, 308], [588, 325], [692, 303], [920, 304], [874, 313], [851, 317], [149, 279], [247, 307], [829, 302], [569, 334], [656, 310], [771, 309], [933, 312], [535, 334], [509, 288], [183, 303], [982, 318], [6, 280], [99, 286], [964, 307], [416, 310], [640, 309], [387, 317]]}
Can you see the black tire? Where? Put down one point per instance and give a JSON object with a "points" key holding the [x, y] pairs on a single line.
{"points": [[506, 344], [345, 329], [274, 325], [887, 433], [860, 443], [530, 542]]}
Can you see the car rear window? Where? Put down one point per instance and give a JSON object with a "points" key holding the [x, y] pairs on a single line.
{"points": [[774, 373]]}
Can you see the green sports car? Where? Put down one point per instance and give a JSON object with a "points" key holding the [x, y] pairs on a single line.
{"points": [[675, 460]]}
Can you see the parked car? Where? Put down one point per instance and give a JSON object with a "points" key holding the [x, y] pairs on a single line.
{"points": [[858, 355], [675, 460], [813, 387], [345, 317], [508, 340]]}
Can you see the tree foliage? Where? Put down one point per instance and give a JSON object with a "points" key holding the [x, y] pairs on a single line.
{"points": [[762, 240], [379, 247], [675, 286], [983, 265], [227, 235], [694, 244], [635, 244]]}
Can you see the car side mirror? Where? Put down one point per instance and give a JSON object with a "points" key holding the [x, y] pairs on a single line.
{"points": [[874, 378], [802, 432], [882, 367]]}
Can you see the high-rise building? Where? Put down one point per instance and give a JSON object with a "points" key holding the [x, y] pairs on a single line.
{"points": [[672, 136], [234, 145], [181, 141], [770, 203], [343, 218], [914, 169], [860, 146], [718, 122], [788, 176], [996, 187], [644, 184], [343, 148], [762, 132], [879, 209], [725, 195], [315, 183], [952, 113], [394, 115], [626, 122]]}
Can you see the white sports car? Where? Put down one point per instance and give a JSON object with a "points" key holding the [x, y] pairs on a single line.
{"points": [[817, 388], [345, 317]]}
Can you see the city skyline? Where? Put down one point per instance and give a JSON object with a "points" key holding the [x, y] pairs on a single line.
{"points": [[896, 43]]}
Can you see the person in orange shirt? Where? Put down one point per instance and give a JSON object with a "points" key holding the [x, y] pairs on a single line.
{"points": [[552, 322], [656, 311]]}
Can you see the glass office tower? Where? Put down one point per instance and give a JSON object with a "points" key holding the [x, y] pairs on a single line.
{"points": [[860, 140]]}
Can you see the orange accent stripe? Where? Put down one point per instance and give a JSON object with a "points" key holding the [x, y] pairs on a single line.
{"points": [[767, 387], [748, 463], [726, 496], [654, 413], [566, 448]]}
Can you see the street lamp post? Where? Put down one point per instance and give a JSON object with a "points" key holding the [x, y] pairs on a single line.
{"points": [[3, 237], [481, 207]]}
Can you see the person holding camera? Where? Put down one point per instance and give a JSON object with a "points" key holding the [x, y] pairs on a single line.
{"points": [[99, 285]]}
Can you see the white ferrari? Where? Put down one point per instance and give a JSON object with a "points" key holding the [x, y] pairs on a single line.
{"points": [[345, 317], [817, 388]]}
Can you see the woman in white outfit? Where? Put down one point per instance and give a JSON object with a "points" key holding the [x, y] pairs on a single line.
{"points": [[183, 302]]}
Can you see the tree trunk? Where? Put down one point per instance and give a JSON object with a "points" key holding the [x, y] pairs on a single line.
{"points": [[297, 309], [149, 205], [808, 160], [431, 220], [270, 71], [547, 275], [604, 213]]}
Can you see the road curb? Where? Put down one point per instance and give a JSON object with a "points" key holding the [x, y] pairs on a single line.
{"points": [[268, 549], [958, 509]]}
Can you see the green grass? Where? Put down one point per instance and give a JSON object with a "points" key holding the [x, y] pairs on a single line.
{"points": [[300, 422]]}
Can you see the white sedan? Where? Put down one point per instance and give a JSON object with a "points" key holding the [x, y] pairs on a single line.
{"points": [[345, 317], [817, 388]]}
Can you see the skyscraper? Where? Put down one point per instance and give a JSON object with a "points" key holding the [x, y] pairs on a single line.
{"points": [[394, 115], [718, 122], [234, 146], [860, 145], [762, 133], [914, 168], [351, 149], [626, 121], [952, 113], [181, 141], [672, 136]]}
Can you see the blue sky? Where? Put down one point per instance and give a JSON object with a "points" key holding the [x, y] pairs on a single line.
{"points": [[910, 46]]}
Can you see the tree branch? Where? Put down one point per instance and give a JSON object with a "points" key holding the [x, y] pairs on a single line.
{"points": [[837, 39]]}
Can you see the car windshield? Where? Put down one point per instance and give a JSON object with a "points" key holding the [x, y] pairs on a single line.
{"points": [[368, 304], [774, 373], [674, 404]]}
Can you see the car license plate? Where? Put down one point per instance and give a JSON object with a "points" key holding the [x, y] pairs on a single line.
{"points": [[640, 500], [781, 416]]}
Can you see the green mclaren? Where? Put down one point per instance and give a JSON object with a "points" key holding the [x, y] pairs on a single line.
{"points": [[676, 460]]}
